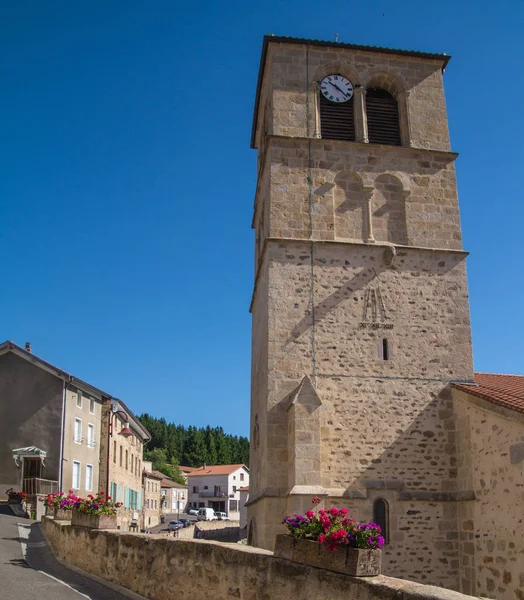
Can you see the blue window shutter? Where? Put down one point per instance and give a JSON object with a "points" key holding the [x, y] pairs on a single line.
{"points": [[139, 503]]}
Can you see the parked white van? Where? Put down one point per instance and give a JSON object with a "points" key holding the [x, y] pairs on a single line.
{"points": [[206, 514]]}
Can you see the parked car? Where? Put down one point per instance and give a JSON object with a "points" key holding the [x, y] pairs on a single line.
{"points": [[206, 514], [192, 511], [185, 522], [221, 516], [175, 525]]}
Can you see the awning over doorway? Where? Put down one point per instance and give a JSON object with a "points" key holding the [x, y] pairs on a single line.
{"points": [[29, 452]]}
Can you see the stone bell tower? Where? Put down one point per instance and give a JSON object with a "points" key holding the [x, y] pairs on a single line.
{"points": [[360, 305]]}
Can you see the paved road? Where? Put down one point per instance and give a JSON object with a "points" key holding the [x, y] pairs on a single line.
{"points": [[28, 570]]}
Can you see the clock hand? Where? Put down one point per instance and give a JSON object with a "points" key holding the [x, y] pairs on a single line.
{"points": [[336, 86]]}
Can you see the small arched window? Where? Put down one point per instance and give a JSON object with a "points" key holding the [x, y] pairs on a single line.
{"points": [[382, 117], [336, 119], [381, 517]]}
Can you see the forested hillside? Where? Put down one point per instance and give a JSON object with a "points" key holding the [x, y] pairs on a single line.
{"points": [[192, 447]]}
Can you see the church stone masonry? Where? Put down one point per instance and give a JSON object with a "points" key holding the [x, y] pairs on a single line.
{"points": [[360, 303]]}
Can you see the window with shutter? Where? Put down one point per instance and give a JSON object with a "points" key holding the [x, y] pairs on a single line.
{"points": [[336, 120], [382, 117]]}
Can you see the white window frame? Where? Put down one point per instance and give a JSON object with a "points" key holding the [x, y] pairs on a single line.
{"points": [[79, 473], [92, 405], [89, 485], [77, 439], [90, 441], [78, 399]]}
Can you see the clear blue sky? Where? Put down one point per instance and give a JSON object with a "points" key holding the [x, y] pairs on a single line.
{"points": [[127, 182]]}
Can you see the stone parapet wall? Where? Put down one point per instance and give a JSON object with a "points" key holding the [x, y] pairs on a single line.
{"points": [[160, 568]]}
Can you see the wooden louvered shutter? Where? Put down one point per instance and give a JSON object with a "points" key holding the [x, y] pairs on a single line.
{"points": [[382, 114], [336, 120]]}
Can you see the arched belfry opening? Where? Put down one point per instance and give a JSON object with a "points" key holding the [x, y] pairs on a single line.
{"points": [[337, 121], [389, 210], [382, 117]]}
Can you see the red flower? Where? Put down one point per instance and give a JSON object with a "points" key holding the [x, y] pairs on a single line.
{"points": [[316, 500]]}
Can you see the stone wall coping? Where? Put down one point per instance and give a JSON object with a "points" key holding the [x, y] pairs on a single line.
{"points": [[228, 557]]}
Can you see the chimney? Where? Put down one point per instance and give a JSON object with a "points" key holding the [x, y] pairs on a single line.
{"points": [[28, 347]]}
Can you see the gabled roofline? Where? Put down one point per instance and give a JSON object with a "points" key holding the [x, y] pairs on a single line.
{"points": [[9, 346], [291, 40]]}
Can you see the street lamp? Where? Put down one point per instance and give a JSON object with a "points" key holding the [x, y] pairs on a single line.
{"points": [[126, 432]]}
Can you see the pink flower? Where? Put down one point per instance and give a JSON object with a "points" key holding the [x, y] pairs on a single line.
{"points": [[321, 538], [310, 514], [316, 500], [334, 511], [344, 511], [321, 512]]}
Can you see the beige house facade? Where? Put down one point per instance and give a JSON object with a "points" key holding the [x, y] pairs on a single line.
{"points": [[174, 497], [126, 438], [360, 313], [152, 494]]}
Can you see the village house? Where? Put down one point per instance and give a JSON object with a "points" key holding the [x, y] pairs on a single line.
{"points": [[152, 496], [65, 434], [218, 487], [174, 497]]}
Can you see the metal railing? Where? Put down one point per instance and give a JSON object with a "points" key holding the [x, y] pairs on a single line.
{"points": [[210, 494], [35, 485]]}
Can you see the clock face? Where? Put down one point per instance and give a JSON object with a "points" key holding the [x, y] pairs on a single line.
{"points": [[336, 88]]}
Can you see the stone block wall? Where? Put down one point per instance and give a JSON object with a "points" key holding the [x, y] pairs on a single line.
{"points": [[385, 427], [490, 443], [160, 568], [414, 190], [415, 81]]}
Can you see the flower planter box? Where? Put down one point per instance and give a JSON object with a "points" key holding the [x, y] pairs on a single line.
{"points": [[350, 561], [63, 514], [14, 501], [49, 512], [93, 521]]}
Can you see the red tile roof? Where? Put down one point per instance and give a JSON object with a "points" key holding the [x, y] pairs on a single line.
{"points": [[504, 390], [216, 470], [186, 469]]}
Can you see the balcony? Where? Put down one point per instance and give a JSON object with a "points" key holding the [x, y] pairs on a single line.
{"points": [[35, 485], [212, 494]]}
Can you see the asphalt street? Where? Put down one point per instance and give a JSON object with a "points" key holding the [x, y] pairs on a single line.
{"points": [[28, 570]]}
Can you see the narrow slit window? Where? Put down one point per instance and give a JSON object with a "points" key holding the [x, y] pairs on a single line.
{"points": [[385, 349], [381, 517]]}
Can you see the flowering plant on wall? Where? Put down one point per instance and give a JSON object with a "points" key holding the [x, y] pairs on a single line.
{"points": [[96, 505], [334, 528], [12, 494], [60, 500]]}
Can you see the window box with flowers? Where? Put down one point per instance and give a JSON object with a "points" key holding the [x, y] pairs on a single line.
{"points": [[332, 540], [14, 497], [95, 512], [59, 506]]}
